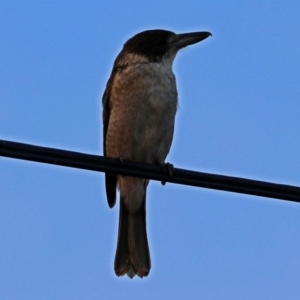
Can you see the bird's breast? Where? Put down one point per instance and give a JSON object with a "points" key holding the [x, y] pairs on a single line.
{"points": [[143, 106]]}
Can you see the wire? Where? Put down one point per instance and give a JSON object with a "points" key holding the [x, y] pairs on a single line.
{"points": [[148, 171]]}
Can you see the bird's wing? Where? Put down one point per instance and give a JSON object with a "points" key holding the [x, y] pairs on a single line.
{"points": [[110, 179]]}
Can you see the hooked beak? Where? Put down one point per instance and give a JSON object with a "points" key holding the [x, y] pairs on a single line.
{"points": [[186, 39]]}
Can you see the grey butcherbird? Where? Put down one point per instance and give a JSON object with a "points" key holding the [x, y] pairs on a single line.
{"points": [[139, 107]]}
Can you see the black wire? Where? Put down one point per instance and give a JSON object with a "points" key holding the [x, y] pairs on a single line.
{"points": [[154, 172]]}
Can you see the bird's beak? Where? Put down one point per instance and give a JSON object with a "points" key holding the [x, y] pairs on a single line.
{"points": [[186, 39]]}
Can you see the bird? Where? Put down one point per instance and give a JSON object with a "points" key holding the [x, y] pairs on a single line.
{"points": [[139, 107]]}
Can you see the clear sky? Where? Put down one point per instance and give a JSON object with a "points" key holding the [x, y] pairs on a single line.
{"points": [[239, 116]]}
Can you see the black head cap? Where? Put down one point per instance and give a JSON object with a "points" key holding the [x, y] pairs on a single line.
{"points": [[151, 43]]}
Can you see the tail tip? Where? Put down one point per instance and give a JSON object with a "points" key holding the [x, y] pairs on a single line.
{"points": [[131, 272]]}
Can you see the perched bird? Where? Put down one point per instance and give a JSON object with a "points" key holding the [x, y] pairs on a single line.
{"points": [[139, 107]]}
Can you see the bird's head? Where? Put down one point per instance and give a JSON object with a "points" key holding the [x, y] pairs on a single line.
{"points": [[155, 45]]}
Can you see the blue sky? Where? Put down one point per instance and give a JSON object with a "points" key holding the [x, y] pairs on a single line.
{"points": [[239, 116]]}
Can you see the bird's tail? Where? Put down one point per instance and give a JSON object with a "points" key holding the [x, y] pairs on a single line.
{"points": [[132, 255]]}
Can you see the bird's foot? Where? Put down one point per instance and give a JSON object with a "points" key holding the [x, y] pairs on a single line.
{"points": [[120, 159], [169, 168]]}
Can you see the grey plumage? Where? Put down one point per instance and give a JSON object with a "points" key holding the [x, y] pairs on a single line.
{"points": [[139, 107]]}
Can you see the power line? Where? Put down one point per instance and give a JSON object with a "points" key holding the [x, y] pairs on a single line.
{"points": [[149, 171]]}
